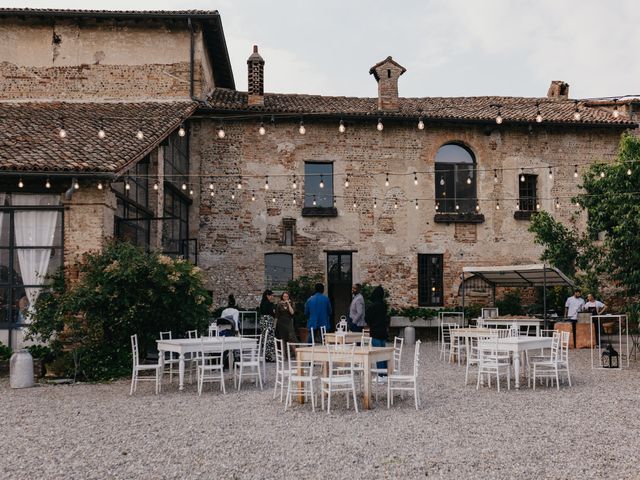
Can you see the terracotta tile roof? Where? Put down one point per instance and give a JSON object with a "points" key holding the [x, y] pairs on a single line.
{"points": [[512, 109], [59, 12], [30, 140]]}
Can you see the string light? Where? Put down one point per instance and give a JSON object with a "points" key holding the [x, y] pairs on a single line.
{"points": [[341, 127], [538, 115], [576, 114], [294, 185], [517, 204], [616, 112], [210, 185], [497, 204], [76, 185], [294, 200], [457, 207], [212, 193], [420, 124], [273, 199], [629, 171], [469, 180], [239, 183], [155, 185], [233, 196], [380, 126], [602, 174], [181, 131], [266, 183], [495, 176], [499, 117], [184, 186], [557, 204], [521, 175], [62, 132], [355, 205], [375, 202], [253, 196], [321, 185], [346, 181], [314, 203], [221, 133], [302, 130], [261, 129], [537, 205], [395, 204], [417, 206], [127, 185], [578, 203], [386, 182], [415, 178], [550, 174], [47, 184], [334, 202], [101, 132], [437, 206], [100, 185], [20, 183], [477, 206], [191, 191], [442, 181], [140, 135], [575, 172]]}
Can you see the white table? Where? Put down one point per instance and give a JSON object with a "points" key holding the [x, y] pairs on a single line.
{"points": [[183, 346], [518, 345], [511, 322]]}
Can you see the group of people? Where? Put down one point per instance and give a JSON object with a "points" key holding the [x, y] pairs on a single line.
{"points": [[276, 316], [576, 304]]}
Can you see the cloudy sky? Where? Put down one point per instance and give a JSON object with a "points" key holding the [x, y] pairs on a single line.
{"points": [[449, 47]]}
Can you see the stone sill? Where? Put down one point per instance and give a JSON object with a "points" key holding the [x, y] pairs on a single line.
{"points": [[319, 212], [523, 214], [458, 218]]}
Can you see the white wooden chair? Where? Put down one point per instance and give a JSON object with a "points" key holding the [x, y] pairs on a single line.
{"points": [[405, 382], [378, 373], [191, 359], [249, 363], [169, 357], [262, 351], [301, 379], [493, 360], [341, 375], [457, 346], [323, 333], [211, 367], [557, 362], [138, 368], [445, 340], [282, 368], [473, 356]]}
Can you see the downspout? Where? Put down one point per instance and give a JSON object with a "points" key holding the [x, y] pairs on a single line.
{"points": [[191, 58], [69, 193]]}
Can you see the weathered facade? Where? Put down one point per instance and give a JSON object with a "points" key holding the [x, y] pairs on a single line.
{"points": [[157, 139]]}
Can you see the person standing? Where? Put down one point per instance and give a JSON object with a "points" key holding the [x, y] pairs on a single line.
{"points": [[231, 312], [284, 320], [356, 309], [267, 323], [595, 307], [572, 306], [378, 320], [317, 309]]}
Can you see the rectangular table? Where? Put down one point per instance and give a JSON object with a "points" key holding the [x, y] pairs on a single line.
{"points": [[345, 337], [510, 322], [363, 355], [183, 346], [517, 345]]}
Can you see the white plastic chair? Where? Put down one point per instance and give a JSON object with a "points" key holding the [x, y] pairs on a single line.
{"points": [[493, 360], [169, 358], [249, 364], [341, 375], [138, 367], [301, 378], [400, 382], [211, 367]]}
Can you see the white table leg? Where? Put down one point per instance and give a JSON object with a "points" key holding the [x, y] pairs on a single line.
{"points": [[181, 371], [367, 385], [516, 368]]}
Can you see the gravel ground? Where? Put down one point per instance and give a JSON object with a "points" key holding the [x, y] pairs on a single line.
{"points": [[92, 431]]}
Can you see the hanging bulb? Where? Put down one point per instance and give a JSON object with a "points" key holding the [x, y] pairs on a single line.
{"points": [[302, 130], [295, 202], [417, 206], [537, 205], [184, 186], [321, 185], [575, 172], [191, 191], [47, 184], [375, 202], [20, 183], [346, 182], [76, 185], [457, 207], [212, 193], [577, 203], [139, 135], [616, 112], [442, 181], [233, 196], [380, 126], [210, 185], [261, 129], [499, 117], [386, 182], [334, 202], [155, 185], [602, 174], [313, 202], [521, 175], [355, 205], [239, 183], [62, 132], [629, 171], [341, 127], [420, 124], [557, 204], [100, 187], [266, 183], [576, 114], [550, 174], [497, 205], [477, 206], [538, 115], [181, 131], [517, 205], [395, 204], [294, 185], [468, 180], [415, 178], [221, 133], [253, 197], [101, 133], [495, 176], [273, 200], [127, 185], [437, 206]]}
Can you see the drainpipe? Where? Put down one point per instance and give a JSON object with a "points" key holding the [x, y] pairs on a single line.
{"points": [[191, 57], [69, 193]]}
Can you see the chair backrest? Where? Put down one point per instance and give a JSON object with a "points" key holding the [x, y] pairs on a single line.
{"points": [[342, 324], [323, 332], [192, 333], [398, 343], [564, 347], [165, 335], [279, 349], [207, 356], [343, 365], [214, 330], [514, 330], [445, 329], [134, 350], [249, 348], [504, 332], [416, 358], [365, 341], [300, 367]]}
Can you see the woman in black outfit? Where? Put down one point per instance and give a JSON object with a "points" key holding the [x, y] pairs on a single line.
{"points": [[267, 323], [284, 320], [377, 318]]}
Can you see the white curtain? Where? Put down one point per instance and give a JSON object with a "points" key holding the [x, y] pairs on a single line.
{"points": [[35, 228]]}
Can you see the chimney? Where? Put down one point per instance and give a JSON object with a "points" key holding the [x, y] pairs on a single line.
{"points": [[256, 78], [558, 89], [387, 73]]}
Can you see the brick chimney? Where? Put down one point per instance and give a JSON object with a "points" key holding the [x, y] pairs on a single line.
{"points": [[558, 89], [387, 73], [256, 78]]}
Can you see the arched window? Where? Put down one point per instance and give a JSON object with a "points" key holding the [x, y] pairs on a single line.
{"points": [[278, 270], [455, 179]]}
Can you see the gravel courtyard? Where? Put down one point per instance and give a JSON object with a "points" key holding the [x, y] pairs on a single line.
{"points": [[88, 431]]}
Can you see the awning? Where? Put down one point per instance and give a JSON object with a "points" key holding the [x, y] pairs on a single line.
{"points": [[536, 275]]}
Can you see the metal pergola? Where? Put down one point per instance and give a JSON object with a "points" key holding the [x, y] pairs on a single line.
{"points": [[535, 275]]}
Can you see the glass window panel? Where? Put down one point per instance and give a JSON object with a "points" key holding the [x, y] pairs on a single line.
{"points": [[5, 229], [452, 153], [278, 270], [454, 166], [4, 266], [430, 280], [314, 174]]}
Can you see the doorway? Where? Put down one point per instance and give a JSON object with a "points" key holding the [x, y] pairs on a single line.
{"points": [[339, 276]]}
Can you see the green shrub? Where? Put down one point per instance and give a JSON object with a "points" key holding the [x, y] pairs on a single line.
{"points": [[5, 352], [510, 304], [121, 291]]}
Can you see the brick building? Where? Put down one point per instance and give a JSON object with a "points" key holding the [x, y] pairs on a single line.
{"points": [[128, 124]]}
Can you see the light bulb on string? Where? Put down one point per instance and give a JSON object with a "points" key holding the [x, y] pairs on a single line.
{"points": [[557, 204], [517, 205], [140, 135], [415, 178], [417, 206], [321, 184], [266, 183], [191, 191], [76, 185], [210, 185], [294, 200], [395, 204], [437, 206], [273, 199], [221, 132], [576, 113], [375, 202], [386, 182], [294, 184], [314, 202], [442, 181], [47, 184], [495, 176], [521, 175], [100, 185], [499, 117], [537, 205], [629, 171], [469, 180], [212, 193], [181, 131], [184, 186], [355, 205], [538, 114], [346, 181], [550, 173], [578, 203], [301, 129], [420, 124], [253, 196], [155, 185], [62, 132], [20, 183], [127, 185], [261, 129], [457, 207], [380, 126], [575, 172], [239, 183], [101, 132], [334, 202], [602, 174], [233, 196], [616, 112], [477, 206], [341, 127], [497, 204]]}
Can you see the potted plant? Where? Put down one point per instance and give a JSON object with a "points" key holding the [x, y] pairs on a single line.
{"points": [[5, 355]]}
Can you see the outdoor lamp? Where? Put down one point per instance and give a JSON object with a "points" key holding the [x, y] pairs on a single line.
{"points": [[610, 358]]}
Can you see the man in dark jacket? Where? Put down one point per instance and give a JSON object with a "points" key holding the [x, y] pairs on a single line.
{"points": [[377, 318]]}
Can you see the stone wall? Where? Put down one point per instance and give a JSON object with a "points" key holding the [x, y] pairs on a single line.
{"points": [[235, 234]]}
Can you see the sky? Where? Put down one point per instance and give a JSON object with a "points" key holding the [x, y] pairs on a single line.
{"points": [[450, 48]]}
